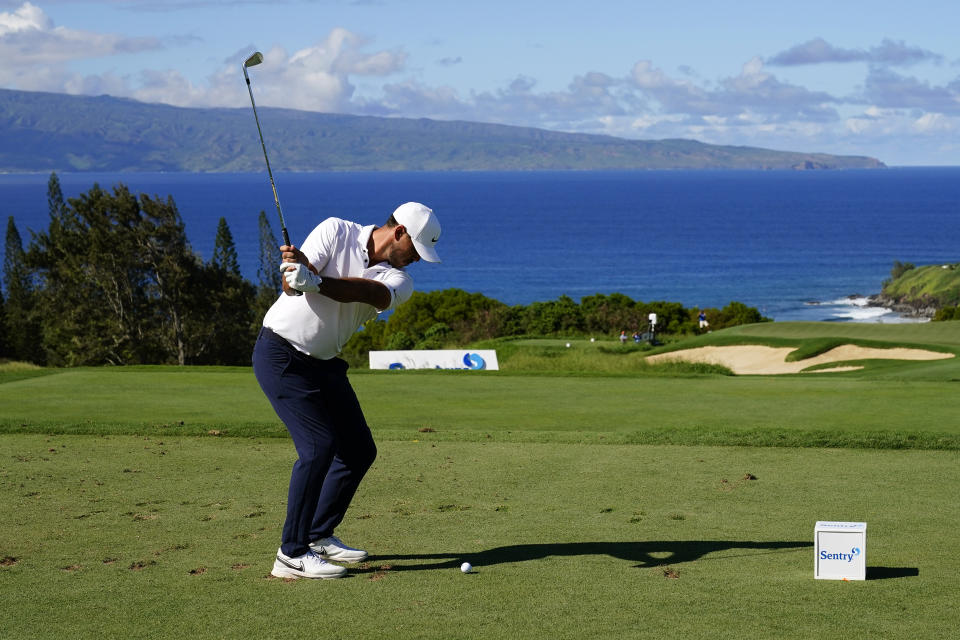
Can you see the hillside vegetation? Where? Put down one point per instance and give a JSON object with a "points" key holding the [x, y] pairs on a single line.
{"points": [[57, 132], [926, 290]]}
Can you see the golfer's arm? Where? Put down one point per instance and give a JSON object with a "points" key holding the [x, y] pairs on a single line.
{"points": [[370, 292]]}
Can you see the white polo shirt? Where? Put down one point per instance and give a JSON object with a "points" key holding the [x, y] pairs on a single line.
{"points": [[320, 326]]}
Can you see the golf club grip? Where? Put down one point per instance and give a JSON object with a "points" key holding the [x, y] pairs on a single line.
{"points": [[286, 242]]}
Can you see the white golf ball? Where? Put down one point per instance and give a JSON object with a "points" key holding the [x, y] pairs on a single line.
{"points": [[568, 345], [466, 567]]}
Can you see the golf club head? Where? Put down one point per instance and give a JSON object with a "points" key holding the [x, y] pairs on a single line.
{"points": [[253, 60]]}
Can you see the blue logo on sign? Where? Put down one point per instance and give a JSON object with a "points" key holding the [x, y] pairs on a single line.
{"points": [[474, 361], [848, 557], [397, 365]]}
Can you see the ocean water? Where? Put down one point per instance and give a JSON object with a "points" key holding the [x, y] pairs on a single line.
{"points": [[796, 245]]}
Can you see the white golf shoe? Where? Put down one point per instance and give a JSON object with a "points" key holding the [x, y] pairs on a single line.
{"points": [[332, 548], [309, 565]]}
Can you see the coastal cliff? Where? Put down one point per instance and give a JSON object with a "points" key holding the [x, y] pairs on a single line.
{"points": [[920, 292]]}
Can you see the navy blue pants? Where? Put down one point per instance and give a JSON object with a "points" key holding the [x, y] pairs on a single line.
{"points": [[334, 445]]}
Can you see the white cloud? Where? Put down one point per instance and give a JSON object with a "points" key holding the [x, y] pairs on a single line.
{"points": [[751, 76], [819, 51], [28, 17], [886, 88], [875, 122], [316, 78], [28, 36], [645, 76], [936, 123]]}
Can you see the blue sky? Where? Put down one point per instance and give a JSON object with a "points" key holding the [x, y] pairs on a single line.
{"points": [[875, 78]]}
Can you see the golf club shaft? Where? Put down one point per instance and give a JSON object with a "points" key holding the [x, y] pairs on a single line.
{"points": [[257, 58], [276, 198]]}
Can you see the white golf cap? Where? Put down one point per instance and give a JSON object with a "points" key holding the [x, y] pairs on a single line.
{"points": [[422, 225]]}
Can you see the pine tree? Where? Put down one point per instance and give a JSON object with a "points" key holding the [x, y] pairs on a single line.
{"points": [[224, 333], [269, 284], [268, 271], [118, 283], [5, 351], [224, 249], [59, 211], [20, 336], [176, 283], [93, 303]]}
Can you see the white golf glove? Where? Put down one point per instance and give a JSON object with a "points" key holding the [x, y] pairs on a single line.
{"points": [[299, 277]]}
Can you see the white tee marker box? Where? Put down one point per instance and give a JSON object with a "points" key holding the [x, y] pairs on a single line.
{"points": [[840, 550]]}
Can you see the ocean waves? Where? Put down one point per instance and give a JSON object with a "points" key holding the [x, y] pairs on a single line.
{"points": [[851, 309]]}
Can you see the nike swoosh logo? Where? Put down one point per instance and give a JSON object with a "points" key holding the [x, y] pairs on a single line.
{"points": [[290, 564], [435, 239]]}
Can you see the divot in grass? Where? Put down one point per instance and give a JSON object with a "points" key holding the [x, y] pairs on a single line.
{"points": [[669, 573], [381, 572], [272, 578]]}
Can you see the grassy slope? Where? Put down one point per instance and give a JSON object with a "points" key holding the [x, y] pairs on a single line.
{"points": [[807, 411], [928, 283], [889, 404], [922, 333]]}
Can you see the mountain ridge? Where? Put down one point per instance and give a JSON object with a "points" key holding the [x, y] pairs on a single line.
{"points": [[59, 132]]}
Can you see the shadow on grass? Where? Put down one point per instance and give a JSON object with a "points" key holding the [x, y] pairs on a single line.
{"points": [[644, 554], [884, 573]]}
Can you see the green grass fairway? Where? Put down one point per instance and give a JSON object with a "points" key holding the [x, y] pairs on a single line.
{"points": [[943, 333], [134, 537], [597, 496], [817, 410]]}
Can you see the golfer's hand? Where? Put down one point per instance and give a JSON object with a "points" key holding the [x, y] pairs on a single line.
{"points": [[300, 277], [292, 254]]}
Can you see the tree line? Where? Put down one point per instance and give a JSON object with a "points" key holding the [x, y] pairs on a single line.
{"points": [[113, 280]]}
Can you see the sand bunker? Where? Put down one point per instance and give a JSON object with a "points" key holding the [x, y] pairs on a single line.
{"points": [[755, 359]]}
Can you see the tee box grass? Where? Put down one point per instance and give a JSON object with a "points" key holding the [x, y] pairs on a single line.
{"points": [[147, 537], [591, 504]]}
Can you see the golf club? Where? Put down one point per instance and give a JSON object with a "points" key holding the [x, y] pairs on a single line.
{"points": [[254, 60]]}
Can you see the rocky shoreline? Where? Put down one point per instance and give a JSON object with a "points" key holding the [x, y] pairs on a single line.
{"points": [[906, 308]]}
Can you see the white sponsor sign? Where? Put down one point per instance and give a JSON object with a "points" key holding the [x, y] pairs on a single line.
{"points": [[480, 360], [841, 550]]}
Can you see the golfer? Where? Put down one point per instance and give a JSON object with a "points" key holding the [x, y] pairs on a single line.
{"points": [[347, 274]]}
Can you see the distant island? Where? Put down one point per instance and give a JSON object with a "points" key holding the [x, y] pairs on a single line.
{"points": [[41, 132]]}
